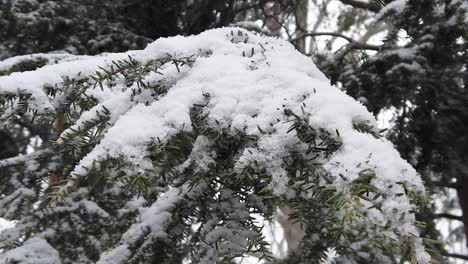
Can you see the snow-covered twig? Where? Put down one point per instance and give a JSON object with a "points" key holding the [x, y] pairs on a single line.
{"points": [[24, 158]]}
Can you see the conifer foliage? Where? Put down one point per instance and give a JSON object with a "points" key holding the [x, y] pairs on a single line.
{"points": [[172, 153], [420, 74]]}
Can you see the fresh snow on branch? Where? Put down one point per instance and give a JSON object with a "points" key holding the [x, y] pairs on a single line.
{"points": [[263, 128], [34, 251]]}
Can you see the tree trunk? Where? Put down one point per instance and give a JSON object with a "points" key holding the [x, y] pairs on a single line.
{"points": [[459, 171], [302, 9]]}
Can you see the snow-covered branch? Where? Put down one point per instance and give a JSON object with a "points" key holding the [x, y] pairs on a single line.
{"points": [[25, 158]]}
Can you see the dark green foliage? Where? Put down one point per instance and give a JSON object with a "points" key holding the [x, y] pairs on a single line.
{"points": [[93, 26], [8, 147], [423, 81], [86, 27]]}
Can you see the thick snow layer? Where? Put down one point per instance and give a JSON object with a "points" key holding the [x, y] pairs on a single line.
{"points": [[250, 80], [396, 6]]}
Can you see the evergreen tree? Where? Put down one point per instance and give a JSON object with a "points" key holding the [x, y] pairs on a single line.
{"points": [[53, 30], [172, 153], [420, 73], [95, 26]]}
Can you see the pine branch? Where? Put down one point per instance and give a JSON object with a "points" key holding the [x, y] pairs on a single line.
{"points": [[24, 158]]}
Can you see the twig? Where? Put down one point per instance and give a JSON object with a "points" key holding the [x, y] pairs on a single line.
{"points": [[444, 184], [449, 216], [355, 44], [371, 6], [458, 256]]}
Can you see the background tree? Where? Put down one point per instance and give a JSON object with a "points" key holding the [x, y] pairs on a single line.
{"points": [[92, 27], [422, 78]]}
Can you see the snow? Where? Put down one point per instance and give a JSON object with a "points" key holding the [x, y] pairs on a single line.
{"points": [[4, 224], [9, 204], [253, 26], [202, 155], [421, 255], [24, 158], [464, 6], [34, 251], [153, 218], [246, 83], [409, 67], [395, 6], [237, 93]]}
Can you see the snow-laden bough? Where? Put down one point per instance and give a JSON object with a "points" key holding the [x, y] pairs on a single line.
{"points": [[204, 132]]}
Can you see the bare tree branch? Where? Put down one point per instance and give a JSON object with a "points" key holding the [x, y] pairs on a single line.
{"points": [[443, 184], [355, 44], [320, 18], [449, 216], [458, 256], [371, 6]]}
